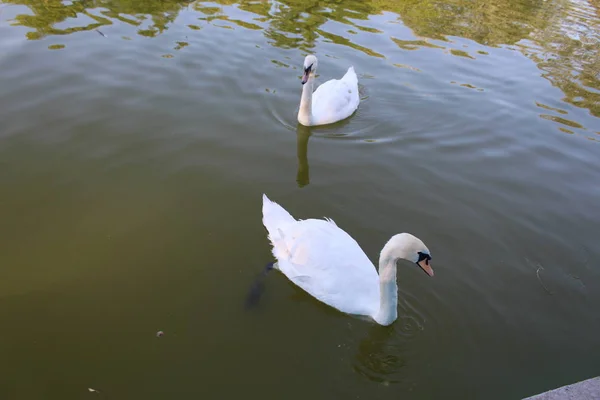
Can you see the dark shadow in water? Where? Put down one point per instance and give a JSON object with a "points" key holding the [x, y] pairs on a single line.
{"points": [[257, 288], [303, 134]]}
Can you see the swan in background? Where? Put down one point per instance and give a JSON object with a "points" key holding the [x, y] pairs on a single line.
{"points": [[333, 101], [327, 263]]}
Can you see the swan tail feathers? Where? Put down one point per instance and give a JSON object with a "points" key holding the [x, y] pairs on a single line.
{"points": [[274, 218], [350, 76], [332, 222]]}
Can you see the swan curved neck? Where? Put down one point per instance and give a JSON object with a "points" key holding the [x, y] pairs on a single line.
{"points": [[393, 250], [305, 112], [388, 291]]}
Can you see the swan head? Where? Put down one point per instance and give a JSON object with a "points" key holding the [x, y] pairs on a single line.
{"points": [[411, 248], [310, 67]]}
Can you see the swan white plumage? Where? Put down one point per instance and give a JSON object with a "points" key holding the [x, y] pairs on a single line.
{"points": [[333, 101], [327, 263]]}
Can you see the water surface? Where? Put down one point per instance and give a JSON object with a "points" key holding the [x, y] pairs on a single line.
{"points": [[136, 140]]}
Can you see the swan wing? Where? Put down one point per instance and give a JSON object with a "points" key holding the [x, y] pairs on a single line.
{"points": [[336, 99], [329, 264]]}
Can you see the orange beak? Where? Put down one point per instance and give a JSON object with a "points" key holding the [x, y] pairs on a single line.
{"points": [[424, 264]]}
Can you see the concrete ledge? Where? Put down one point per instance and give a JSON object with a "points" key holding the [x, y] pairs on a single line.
{"points": [[584, 390]]}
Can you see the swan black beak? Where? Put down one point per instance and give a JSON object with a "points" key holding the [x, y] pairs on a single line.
{"points": [[424, 264], [306, 74]]}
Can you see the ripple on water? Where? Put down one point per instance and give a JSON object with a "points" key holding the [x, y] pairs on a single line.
{"points": [[380, 357], [384, 353], [411, 317]]}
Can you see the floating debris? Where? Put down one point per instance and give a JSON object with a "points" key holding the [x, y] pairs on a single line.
{"points": [[101, 33], [540, 279], [160, 334], [93, 390]]}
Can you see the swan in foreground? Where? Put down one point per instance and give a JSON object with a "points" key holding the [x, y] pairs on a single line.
{"points": [[333, 101], [328, 264]]}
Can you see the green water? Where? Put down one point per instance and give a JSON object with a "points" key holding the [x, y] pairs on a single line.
{"points": [[137, 138]]}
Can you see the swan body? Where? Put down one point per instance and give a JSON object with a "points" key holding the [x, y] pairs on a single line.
{"points": [[326, 262], [333, 101]]}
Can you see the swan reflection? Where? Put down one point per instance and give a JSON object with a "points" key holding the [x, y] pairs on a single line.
{"points": [[303, 133]]}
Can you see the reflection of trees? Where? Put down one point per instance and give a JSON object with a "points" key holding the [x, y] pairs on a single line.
{"points": [[561, 48], [570, 54], [298, 23], [295, 23], [489, 22], [48, 13]]}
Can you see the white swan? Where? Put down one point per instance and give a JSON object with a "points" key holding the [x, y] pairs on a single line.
{"points": [[327, 263], [333, 101]]}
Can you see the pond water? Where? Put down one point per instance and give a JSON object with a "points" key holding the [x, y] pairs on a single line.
{"points": [[137, 138]]}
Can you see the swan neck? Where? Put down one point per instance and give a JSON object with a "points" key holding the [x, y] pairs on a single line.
{"points": [[388, 291], [305, 112]]}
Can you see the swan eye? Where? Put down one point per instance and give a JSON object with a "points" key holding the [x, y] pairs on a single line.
{"points": [[423, 256], [307, 69]]}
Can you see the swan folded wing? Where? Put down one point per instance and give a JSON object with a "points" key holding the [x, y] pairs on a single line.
{"points": [[335, 100], [327, 263]]}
